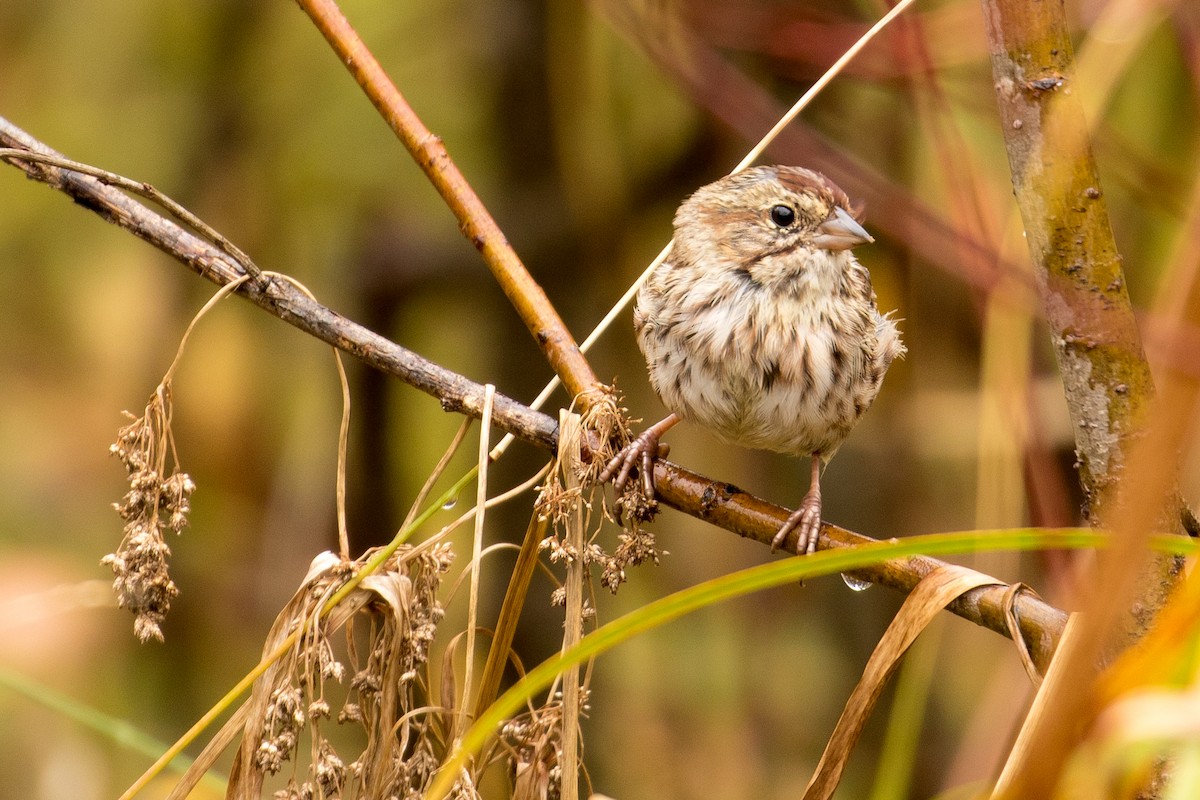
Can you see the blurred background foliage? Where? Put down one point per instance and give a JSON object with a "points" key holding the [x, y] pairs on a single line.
{"points": [[582, 127]]}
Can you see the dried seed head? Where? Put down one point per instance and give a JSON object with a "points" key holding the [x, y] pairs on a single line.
{"points": [[141, 581], [284, 720], [330, 772], [150, 507]]}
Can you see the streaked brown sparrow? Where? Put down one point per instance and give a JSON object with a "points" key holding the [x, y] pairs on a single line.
{"points": [[762, 327]]}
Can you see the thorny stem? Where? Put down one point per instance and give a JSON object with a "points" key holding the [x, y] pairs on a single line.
{"points": [[475, 221], [714, 501]]}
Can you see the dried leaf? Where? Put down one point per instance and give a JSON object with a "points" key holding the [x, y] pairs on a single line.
{"points": [[926, 601]]}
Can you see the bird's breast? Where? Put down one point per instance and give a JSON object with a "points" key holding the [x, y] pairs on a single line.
{"points": [[769, 370]]}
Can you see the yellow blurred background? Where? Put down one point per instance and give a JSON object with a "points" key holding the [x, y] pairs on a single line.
{"points": [[581, 127]]}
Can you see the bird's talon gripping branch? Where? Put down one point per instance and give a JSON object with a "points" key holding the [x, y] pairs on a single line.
{"points": [[805, 520], [640, 452]]}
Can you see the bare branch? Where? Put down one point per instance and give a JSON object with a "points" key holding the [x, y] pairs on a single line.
{"points": [[1126, 474], [280, 298], [1109, 388]]}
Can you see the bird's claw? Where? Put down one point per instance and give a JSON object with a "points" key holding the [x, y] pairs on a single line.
{"points": [[806, 521], [641, 451]]}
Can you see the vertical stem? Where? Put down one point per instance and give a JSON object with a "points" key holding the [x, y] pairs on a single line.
{"points": [[1106, 378], [1078, 269], [570, 463], [476, 223], [485, 431], [1125, 464]]}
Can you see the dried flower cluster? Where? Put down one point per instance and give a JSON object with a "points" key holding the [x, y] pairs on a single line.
{"points": [[534, 740], [610, 424], [635, 546], [156, 502], [607, 422], [390, 621]]}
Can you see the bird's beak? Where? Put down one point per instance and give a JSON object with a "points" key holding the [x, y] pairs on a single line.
{"points": [[841, 232]]}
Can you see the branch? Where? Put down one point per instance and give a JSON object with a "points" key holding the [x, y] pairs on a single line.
{"points": [[280, 298], [531, 303], [1106, 377], [716, 502]]}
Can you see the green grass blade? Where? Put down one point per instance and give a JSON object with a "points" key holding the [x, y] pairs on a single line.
{"points": [[825, 562], [113, 728]]}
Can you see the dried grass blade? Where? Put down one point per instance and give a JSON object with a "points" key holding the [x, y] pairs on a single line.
{"points": [[226, 736], [448, 688], [1023, 752], [569, 443], [920, 608], [342, 455], [1014, 631], [459, 435], [485, 430], [510, 613]]}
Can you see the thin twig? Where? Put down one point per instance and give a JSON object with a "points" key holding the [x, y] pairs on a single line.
{"points": [[476, 223], [716, 502], [821, 83], [744, 105], [280, 298], [144, 190]]}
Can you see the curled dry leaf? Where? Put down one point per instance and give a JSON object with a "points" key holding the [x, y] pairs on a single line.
{"points": [[927, 600]]}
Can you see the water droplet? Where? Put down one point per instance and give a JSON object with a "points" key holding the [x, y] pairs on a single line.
{"points": [[857, 584], [451, 503]]}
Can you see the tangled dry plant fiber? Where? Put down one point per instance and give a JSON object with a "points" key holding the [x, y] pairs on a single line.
{"points": [[389, 622]]}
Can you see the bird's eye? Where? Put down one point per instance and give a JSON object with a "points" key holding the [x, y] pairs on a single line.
{"points": [[783, 216]]}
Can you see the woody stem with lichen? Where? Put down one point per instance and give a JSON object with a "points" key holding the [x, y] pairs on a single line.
{"points": [[1077, 266], [1106, 377], [1122, 459]]}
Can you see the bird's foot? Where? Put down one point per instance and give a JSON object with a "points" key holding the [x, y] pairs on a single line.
{"points": [[806, 521], [640, 453]]}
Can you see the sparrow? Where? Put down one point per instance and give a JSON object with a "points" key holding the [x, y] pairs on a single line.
{"points": [[762, 327]]}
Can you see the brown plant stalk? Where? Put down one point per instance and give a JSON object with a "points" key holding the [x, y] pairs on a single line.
{"points": [[714, 501], [476, 223], [1096, 340]]}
